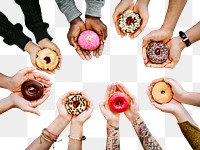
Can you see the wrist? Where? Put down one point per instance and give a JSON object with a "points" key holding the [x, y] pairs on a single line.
{"points": [[113, 123], [91, 17], [76, 20], [167, 29], [63, 120], [134, 117], [76, 129], [5, 82], [180, 43], [43, 40]]}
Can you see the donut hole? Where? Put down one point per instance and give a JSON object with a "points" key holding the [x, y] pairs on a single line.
{"points": [[162, 92], [32, 90], [76, 104], [157, 51], [118, 103], [47, 59], [130, 20]]}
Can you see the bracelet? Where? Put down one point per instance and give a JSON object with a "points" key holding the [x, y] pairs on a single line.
{"points": [[114, 127], [51, 132], [184, 38], [135, 121], [78, 139]]}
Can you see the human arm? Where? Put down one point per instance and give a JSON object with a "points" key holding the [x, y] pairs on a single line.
{"points": [[179, 94], [113, 134], [176, 45], [12, 34], [56, 127], [132, 113], [165, 33], [34, 22], [76, 127]]}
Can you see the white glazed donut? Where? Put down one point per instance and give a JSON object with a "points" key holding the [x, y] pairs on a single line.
{"points": [[129, 21], [76, 104]]}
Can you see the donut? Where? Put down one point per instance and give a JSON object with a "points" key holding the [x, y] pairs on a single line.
{"points": [[32, 90], [47, 59], [162, 92], [76, 104], [118, 102], [157, 52], [129, 22], [89, 40]]}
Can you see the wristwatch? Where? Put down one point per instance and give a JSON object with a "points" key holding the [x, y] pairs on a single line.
{"points": [[184, 38]]}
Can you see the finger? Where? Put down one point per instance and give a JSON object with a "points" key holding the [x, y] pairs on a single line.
{"points": [[105, 32], [171, 65], [119, 32], [112, 89], [134, 35], [42, 100], [89, 54], [102, 108], [107, 95], [100, 52], [41, 76], [32, 110], [158, 65], [27, 70], [144, 54], [80, 53], [157, 80], [86, 55]]}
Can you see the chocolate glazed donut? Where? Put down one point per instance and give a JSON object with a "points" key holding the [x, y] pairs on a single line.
{"points": [[32, 90]]}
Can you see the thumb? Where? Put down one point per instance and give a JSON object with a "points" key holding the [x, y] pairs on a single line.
{"points": [[27, 70], [102, 108], [32, 110]]}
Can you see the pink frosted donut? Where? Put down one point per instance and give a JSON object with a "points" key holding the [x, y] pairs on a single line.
{"points": [[88, 40]]}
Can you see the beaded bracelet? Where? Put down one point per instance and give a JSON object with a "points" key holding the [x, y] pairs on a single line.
{"points": [[78, 139]]}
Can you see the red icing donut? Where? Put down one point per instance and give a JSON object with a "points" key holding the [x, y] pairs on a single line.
{"points": [[118, 102]]}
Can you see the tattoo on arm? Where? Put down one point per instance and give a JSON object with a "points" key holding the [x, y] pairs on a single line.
{"points": [[147, 140], [113, 139]]}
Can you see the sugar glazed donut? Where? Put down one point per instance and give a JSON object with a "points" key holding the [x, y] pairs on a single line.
{"points": [[47, 59], [157, 52], [129, 21], [118, 102], [162, 92], [76, 104], [32, 90], [89, 40]]}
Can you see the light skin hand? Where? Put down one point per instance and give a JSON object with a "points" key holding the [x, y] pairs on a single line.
{"points": [[111, 117], [163, 35], [95, 24], [76, 27], [132, 112], [141, 7], [46, 43], [23, 75], [120, 8]]}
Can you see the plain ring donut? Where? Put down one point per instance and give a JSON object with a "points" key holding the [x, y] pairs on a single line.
{"points": [[47, 59], [32, 90], [129, 22], [162, 92], [76, 104]]}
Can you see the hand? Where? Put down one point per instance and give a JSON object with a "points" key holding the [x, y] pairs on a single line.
{"points": [[85, 115], [95, 24], [27, 74], [133, 111], [46, 43], [141, 7], [121, 7], [163, 35], [76, 27], [111, 117], [32, 49], [175, 45], [62, 108], [179, 94], [28, 106]]}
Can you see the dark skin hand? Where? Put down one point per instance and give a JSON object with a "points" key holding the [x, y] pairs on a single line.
{"points": [[76, 27], [95, 24]]}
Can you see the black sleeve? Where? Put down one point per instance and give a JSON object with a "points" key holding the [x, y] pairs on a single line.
{"points": [[12, 34], [33, 19]]}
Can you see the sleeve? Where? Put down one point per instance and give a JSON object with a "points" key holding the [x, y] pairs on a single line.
{"points": [[12, 34], [33, 19], [191, 133], [93, 7], [69, 9]]}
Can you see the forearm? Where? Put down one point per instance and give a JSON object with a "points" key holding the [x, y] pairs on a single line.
{"points": [[69, 9], [113, 137], [174, 10], [4, 81], [193, 33], [182, 115], [76, 131], [93, 7], [56, 127], [33, 18], [12, 34], [191, 98], [5, 105], [146, 138]]}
